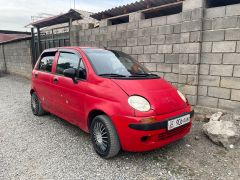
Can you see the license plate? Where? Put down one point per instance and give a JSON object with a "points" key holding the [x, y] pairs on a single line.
{"points": [[172, 124]]}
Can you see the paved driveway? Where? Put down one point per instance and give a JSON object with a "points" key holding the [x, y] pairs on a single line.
{"points": [[50, 148]]}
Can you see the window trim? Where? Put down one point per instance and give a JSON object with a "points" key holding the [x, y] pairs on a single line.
{"points": [[80, 59], [40, 58]]}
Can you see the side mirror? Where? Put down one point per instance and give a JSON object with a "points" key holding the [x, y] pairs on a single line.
{"points": [[82, 73], [71, 73]]}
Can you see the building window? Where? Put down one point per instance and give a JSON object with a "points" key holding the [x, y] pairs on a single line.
{"points": [[214, 3], [119, 20], [162, 11]]}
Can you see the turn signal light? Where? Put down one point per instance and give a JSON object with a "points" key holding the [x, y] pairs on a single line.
{"points": [[148, 120]]}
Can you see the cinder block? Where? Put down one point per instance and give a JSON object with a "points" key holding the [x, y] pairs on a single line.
{"points": [[233, 10], [192, 99], [112, 43], [188, 89], [207, 101], [188, 69], [196, 36], [232, 34], [186, 16], [161, 67], [202, 90], [159, 21], [228, 104], [204, 69], [154, 30], [171, 77], [230, 82], [127, 50], [112, 28], [190, 48], [132, 33], [122, 27], [213, 35], [219, 92], [206, 46], [168, 29], [231, 58], [132, 41], [182, 79], [172, 39], [224, 46], [159, 39], [183, 58], [197, 14], [150, 49], [211, 58], [238, 46], [207, 24], [191, 26], [221, 70], [144, 40], [235, 95], [216, 12], [145, 23], [177, 28], [175, 68], [172, 58], [236, 72], [104, 23], [194, 58], [174, 19], [144, 58], [137, 50], [151, 66], [157, 58], [121, 42], [165, 48], [206, 80], [144, 32], [192, 4], [224, 23], [132, 25], [185, 37]]}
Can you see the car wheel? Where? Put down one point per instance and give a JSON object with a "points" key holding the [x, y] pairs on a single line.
{"points": [[104, 137], [36, 106]]}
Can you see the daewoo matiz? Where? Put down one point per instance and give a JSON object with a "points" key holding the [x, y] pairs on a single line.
{"points": [[110, 95]]}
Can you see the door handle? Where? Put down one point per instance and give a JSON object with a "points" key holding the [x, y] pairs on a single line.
{"points": [[35, 75], [55, 80]]}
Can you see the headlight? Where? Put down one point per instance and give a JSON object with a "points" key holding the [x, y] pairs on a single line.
{"points": [[139, 103], [182, 96]]}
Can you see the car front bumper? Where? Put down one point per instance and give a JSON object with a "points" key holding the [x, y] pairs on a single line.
{"points": [[137, 137]]}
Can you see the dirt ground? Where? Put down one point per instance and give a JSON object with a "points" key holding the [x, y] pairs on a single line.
{"points": [[50, 148]]}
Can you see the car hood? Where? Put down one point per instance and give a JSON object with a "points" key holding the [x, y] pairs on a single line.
{"points": [[162, 96]]}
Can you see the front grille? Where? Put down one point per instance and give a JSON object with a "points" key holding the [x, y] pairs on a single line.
{"points": [[173, 132]]}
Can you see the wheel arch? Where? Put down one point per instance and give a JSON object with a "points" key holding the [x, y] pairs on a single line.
{"points": [[92, 114]]}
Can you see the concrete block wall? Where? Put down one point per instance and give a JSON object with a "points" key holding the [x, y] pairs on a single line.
{"points": [[2, 60], [17, 57], [219, 79], [197, 50]]}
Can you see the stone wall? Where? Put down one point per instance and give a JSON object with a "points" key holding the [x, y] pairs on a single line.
{"points": [[197, 50], [15, 58]]}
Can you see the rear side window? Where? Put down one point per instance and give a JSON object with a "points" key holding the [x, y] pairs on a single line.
{"points": [[46, 62], [67, 60]]}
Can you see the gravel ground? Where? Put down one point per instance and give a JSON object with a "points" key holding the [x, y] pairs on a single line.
{"points": [[50, 148]]}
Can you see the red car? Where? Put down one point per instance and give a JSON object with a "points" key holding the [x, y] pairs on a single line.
{"points": [[110, 95]]}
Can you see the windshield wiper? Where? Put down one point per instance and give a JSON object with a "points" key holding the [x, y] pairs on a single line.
{"points": [[112, 75], [144, 75]]}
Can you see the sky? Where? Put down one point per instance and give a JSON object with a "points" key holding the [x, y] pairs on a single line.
{"points": [[15, 14]]}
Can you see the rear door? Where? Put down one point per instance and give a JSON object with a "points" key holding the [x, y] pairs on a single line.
{"points": [[71, 96], [42, 76]]}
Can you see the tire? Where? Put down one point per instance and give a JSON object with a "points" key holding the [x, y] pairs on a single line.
{"points": [[36, 106], [104, 137]]}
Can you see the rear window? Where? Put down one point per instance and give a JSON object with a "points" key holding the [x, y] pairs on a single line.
{"points": [[46, 62]]}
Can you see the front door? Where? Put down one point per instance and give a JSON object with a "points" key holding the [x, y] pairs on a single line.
{"points": [[71, 96]]}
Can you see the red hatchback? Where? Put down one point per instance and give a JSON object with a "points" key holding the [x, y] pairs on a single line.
{"points": [[110, 95]]}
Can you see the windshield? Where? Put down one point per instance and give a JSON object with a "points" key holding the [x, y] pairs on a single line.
{"points": [[115, 64]]}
